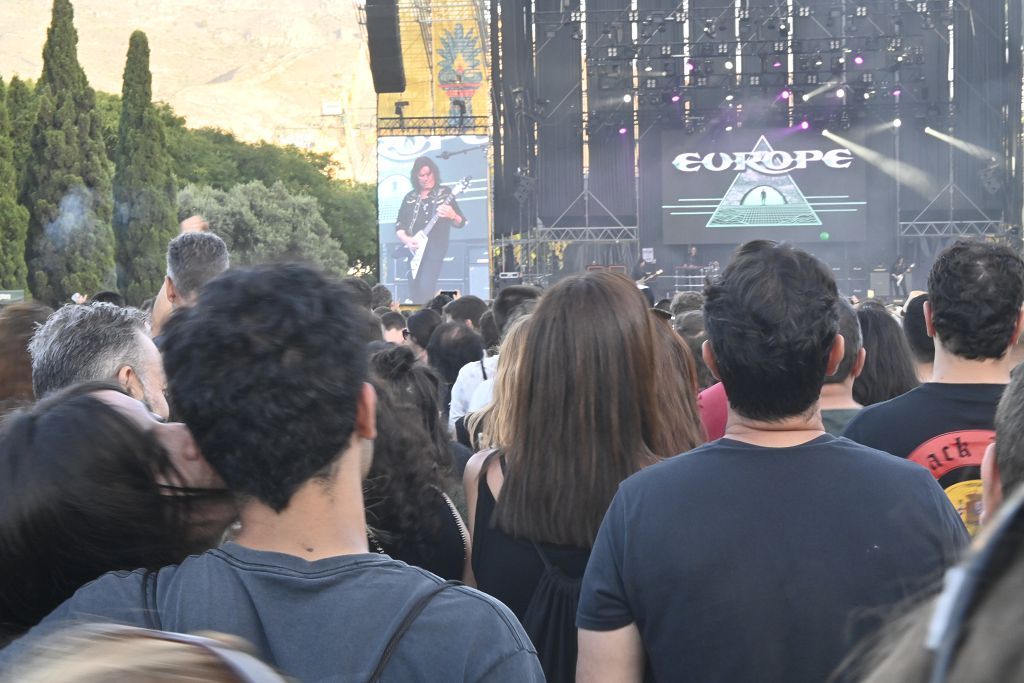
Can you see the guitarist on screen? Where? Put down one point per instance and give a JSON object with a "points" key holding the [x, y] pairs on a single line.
{"points": [[427, 199]]}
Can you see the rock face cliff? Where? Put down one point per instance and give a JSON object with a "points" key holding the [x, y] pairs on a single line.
{"points": [[289, 73]]}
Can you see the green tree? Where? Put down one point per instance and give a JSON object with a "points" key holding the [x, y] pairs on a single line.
{"points": [[261, 224], [144, 192], [70, 240], [21, 112], [13, 216]]}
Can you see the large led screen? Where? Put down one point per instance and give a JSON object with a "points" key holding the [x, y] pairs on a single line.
{"points": [[432, 214], [785, 185]]}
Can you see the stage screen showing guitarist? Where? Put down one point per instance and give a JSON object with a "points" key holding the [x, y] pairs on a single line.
{"points": [[427, 214], [433, 216]]}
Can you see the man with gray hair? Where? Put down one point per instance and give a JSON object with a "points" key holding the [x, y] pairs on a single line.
{"points": [[193, 259], [98, 341]]}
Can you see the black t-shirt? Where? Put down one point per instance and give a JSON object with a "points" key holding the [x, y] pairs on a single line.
{"points": [[743, 563], [944, 427]]}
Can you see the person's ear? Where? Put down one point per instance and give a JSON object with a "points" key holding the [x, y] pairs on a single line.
{"points": [[858, 363], [129, 381], [169, 290], [708, 354], [929, 326], [366, 412], [835, 354], [991, 485]]}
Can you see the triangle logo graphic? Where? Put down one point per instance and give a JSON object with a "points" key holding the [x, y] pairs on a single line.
{"points": [[757, 199]]}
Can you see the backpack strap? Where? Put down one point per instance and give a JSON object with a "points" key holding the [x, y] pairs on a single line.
{"points": [[407, 621], [149, 607], [483, 368]]}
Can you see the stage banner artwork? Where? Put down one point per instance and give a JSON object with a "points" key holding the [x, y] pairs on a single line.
{"points": [[445, 52], [782, 185], [432, 213]]}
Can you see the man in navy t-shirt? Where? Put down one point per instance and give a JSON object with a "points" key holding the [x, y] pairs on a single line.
{"points": [[767, 555], [973, 314]]}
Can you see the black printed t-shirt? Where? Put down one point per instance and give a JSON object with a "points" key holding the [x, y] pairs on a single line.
{"points": [[743, 563], [943, 427]]}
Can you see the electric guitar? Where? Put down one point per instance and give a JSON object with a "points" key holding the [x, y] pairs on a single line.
{"points": [[421, 237], [650, 276], [899, 278]]}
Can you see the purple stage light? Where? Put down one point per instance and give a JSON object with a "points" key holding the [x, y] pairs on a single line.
{"points": [[622, 130], [804, 125], [896, 92], [777, 64], [858, 60], [675, 98], [785, 95]]}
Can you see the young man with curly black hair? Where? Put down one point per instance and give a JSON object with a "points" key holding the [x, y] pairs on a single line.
{"points": [[973, 314], [268, 370], [769, 554]]}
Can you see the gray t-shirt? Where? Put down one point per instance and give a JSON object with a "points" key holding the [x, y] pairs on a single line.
{"points": [[327, 620]]}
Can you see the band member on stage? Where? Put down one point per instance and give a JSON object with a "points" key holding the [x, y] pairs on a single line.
{"points": [[692, 259], [898, 277], [427, 199]]}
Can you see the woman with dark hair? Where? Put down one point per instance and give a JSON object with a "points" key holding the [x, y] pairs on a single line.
{"points": [[409, 515], [89, 484], [888, 366], [428, 199], [585, 414]]}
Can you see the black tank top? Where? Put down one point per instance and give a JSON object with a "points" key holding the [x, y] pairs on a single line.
{"points": [[509, 568]]}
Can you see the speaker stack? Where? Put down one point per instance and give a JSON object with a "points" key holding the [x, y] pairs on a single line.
{"points": [[385, 41]]}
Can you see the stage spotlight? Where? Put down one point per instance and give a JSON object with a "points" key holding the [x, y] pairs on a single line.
{"points": [[690, 66], [897, 91], [730, 97], [728, 129], [729, 65], [675, 97], [840, 93], [804, 125], [805, 97], [867, 94], [824, 131], [776, 63], [858, 60], [627, 98], [648, 67], [783, 28], [818, 60], [785, 94], [623, 130], [896, 123]]}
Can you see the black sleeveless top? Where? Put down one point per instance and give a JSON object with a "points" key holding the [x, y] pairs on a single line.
{"points": [[443, 554], [509, 568]]}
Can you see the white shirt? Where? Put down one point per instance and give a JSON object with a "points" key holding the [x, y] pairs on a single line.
{"points": [[470, 377]]}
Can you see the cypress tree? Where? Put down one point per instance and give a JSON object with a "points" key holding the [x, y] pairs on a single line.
{"points": [[13, 216], [144, 191], [70, 240], [21, 113]]}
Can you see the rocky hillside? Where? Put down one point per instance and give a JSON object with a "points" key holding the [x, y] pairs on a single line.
{"points": [[290, 73]]}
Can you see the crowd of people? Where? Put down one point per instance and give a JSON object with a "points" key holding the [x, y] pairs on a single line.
{"points": [[268, 473]]}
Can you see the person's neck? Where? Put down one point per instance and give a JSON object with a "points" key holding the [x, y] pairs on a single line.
{"points": [[951, 369], [838, 396], [924, 371], [790, 431], [324, 518]]}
